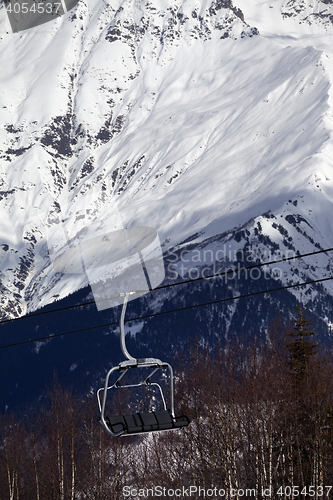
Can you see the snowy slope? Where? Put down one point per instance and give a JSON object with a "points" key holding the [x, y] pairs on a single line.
{"points": [[178, 113]]}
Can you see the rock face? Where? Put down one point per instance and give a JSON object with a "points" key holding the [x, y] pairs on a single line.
{"points": [[309, 12]]}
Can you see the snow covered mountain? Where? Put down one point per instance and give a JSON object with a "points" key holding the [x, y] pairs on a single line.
{"points": [[210, 121]]}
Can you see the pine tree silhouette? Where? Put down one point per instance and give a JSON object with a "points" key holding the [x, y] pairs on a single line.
{"points": [[302, 348]]}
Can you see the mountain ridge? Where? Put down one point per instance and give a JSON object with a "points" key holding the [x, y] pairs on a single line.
{"points": [[179, 113]]}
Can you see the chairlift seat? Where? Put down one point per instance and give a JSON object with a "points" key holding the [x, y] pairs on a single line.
{"points": [[139, 423], [125, 425]]}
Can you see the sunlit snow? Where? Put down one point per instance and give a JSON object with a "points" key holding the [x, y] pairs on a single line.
{"points": [[193, 131]]}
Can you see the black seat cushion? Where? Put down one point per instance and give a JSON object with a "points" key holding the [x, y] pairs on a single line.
{"points": [[164, 419], [149, 421], [161, 420], [116, 424], [133, 423], [181, 423]]}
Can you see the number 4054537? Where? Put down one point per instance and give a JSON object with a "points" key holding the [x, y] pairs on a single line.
{"points": [[36, 7], [311, 491]]}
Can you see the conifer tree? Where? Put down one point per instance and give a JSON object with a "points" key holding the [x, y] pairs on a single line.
{"points": [[301, 413], [302, 348]]}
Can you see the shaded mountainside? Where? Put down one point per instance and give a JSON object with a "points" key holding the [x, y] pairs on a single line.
{"points": [[81, 359]]}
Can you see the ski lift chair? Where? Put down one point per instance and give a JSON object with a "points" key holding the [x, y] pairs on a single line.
{"points": [[138, 423], [136, 262]]}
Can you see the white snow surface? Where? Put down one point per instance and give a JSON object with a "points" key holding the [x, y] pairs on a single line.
{"points": [[179, 126]]}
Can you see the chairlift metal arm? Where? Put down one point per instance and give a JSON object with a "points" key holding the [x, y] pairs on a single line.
{"points": [[161, 393], [145, 381], [145, 362], [122, 329], [102, 406]]}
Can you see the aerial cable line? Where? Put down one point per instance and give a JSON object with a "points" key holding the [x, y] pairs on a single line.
{"points": [[220, 275], [167, 312]]}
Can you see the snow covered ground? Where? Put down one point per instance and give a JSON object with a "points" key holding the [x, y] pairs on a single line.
{"points": [[179, 113]]}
